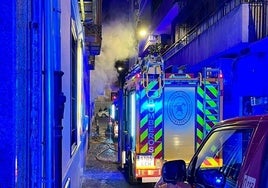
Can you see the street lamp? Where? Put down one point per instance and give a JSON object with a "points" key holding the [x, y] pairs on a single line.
{"points": [[142, 29], [120, 68], [142, 33]]}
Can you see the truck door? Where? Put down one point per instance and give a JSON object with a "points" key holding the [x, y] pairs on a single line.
{"points": [[179, 121]]}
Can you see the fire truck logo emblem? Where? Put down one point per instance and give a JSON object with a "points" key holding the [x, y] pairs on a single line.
{"points": [[179, 108]]}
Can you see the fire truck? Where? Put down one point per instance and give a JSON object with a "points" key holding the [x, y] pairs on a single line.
{"points": [[165, 115]]}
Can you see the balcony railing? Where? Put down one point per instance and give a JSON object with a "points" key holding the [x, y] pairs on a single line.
{"points": [[258, 20], [91, 11]]}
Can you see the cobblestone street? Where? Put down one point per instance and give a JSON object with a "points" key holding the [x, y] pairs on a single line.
{"points": [[102, 169]]}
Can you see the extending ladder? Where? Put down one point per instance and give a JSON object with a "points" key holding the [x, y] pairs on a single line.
{"points": [[153, 75]]}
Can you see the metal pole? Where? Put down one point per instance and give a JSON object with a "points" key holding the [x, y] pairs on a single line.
{"points": [[48, 94]]}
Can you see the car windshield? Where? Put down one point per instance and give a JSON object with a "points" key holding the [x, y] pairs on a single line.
{"points": [[218, 163]]}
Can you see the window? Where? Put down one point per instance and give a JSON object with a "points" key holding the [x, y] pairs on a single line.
{"points": [[73, 90], [218, 163]]}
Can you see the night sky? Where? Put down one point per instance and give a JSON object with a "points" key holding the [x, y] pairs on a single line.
{"points": [[118, 44], [114, 9]]}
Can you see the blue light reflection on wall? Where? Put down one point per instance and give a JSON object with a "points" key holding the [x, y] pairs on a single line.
{"points": [[246, 76], [8, 102], [249, 80]]}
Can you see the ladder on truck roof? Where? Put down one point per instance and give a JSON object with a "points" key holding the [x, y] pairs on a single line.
{"points": [[153, 75], [212, 87]]}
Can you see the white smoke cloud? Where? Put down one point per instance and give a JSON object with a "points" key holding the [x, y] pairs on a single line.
{"points": [[118, 43]]}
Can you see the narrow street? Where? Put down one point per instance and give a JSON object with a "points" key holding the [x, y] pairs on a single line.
{"points": [[102, 168]]}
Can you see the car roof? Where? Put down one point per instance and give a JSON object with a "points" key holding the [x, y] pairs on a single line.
{"points": [[243, 120]]}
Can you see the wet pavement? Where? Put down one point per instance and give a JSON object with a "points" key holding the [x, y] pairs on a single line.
{"points": [[102, 168]]}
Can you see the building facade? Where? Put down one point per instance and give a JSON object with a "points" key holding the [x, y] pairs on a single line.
{"points": [[230, 35], [46, 57]]}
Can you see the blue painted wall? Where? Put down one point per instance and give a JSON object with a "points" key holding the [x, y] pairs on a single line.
{"points": [[7, 93]]}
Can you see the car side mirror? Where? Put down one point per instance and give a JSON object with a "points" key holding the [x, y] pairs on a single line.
{"points": [[174, 171]]}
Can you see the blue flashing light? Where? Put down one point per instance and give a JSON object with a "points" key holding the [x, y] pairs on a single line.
{"points": [[218, 180], [133, 114], [212, 178]]}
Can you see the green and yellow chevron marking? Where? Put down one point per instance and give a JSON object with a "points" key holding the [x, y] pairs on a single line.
{"points": [[143, 121], [158, 121], [207, 109], [150, 86], [158, 135], [200, 91], [143, 135], [151, 120], [199, 116], [144, 149], [200, 105], [200, 120], [212, 88], [210, 114], [158, 150]]}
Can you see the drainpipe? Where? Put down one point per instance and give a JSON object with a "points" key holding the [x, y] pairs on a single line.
{"points": [[59, 111], [48, 95], [58, 95]]}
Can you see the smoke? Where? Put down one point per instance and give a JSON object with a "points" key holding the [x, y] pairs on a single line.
{"points": [[118, 44]]}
